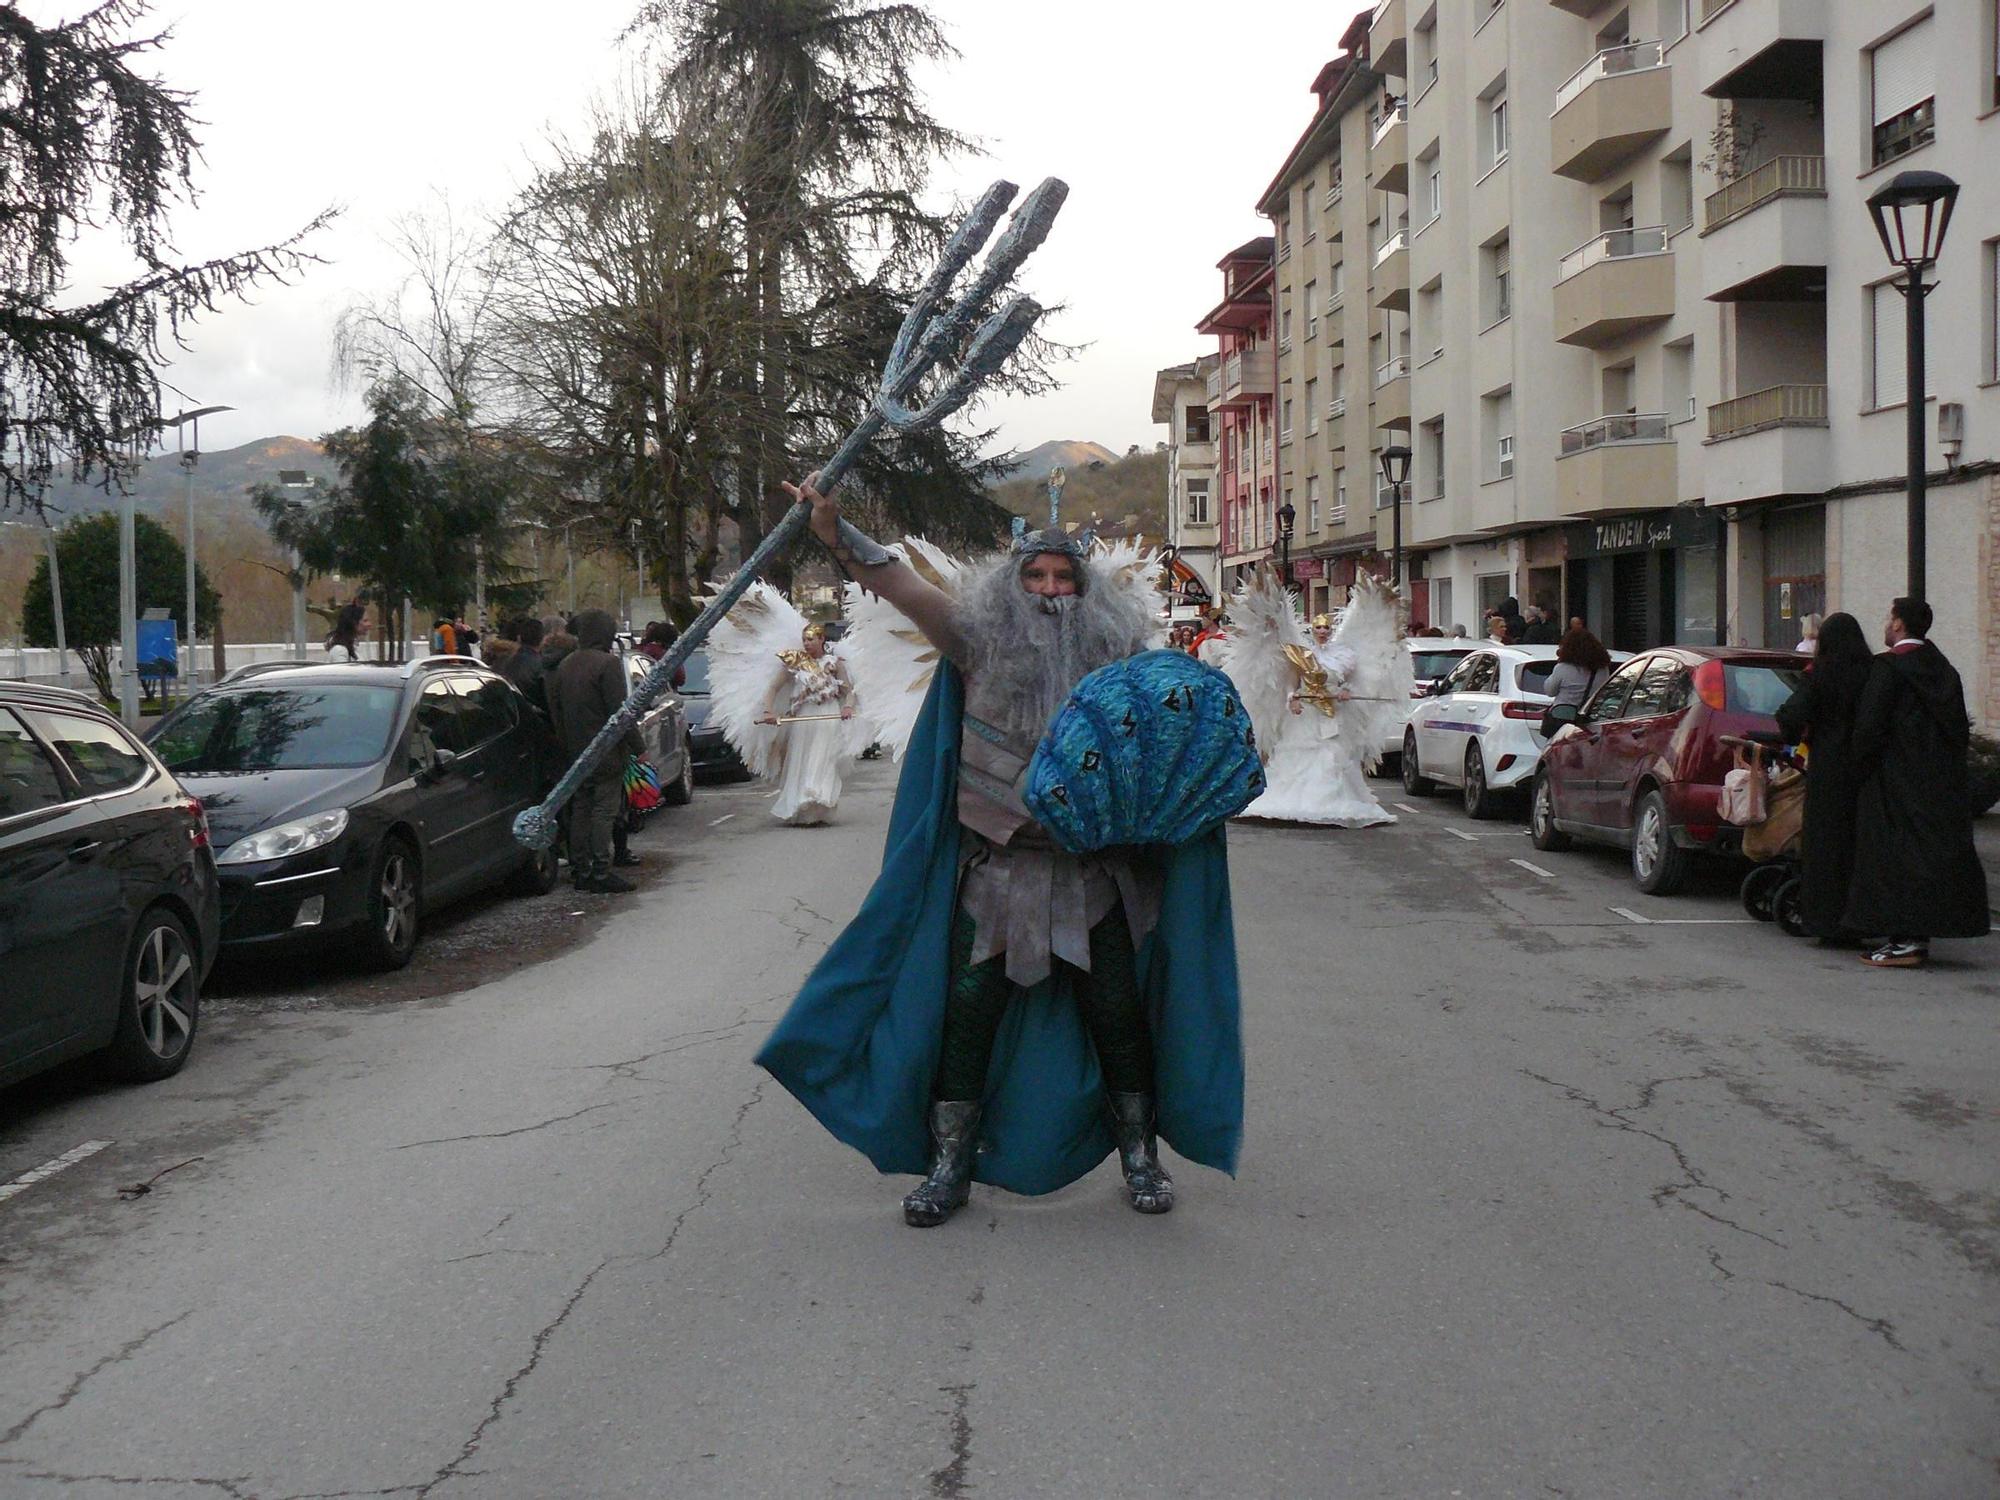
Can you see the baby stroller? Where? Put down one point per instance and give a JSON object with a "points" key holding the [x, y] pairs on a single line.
{"points": [[1765, 795]]}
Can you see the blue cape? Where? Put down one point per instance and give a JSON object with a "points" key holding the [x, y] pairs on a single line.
{"points": [[859, 1046]]}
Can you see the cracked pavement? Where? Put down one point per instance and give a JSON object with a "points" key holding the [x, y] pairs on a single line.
{"points": [[1534, 1201]]}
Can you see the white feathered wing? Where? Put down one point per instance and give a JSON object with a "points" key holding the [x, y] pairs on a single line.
{"points": [[744, 670], [1371, 626], [891, 661], [1262, 622], [1133, 570]]}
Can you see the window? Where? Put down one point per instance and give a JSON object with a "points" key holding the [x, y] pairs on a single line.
{"points": [[1610, 700], [1337, 396], [1650, 693], [1504, 450], [1384, 495], [1430, 321], [1434, 180], [28, 778], [1312, 309], [1496, 301], [1337, 284], [280, 729], [1497, 411], [1197, 425], [1307, 208], [1494, 138], [99, 756], [436, 725], [1992, 308], [1312, 502], [1889, 358], [1901, 78], [1677, 381], [1340, 494], [1431, 459], [1312, 407], [1423, 38], [1285, 329], [1284, 238], [1197, 502], [1285, 427], [486, 708], [1677, 192]]}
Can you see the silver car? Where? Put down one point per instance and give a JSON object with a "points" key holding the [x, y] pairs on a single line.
{"points": [[665, 731]]}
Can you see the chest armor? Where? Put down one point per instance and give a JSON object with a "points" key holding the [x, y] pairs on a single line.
{"points": [[992, 767]]}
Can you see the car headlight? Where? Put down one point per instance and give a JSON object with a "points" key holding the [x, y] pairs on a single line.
{"points": [[287, 838]]}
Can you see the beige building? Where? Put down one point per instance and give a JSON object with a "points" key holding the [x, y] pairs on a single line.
{"points": [[1609, 271], [1194, 527]]}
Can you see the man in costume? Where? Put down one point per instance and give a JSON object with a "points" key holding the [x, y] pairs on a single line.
{"points": [[1001, 1009], [809, 705]]}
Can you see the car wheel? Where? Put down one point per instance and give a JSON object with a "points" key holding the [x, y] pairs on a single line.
{"points": [[160, 1002], [1542, 828], [1759, 886], [1479, 798], [1787, 907], [538, 876], [1659, 865], [395, 903], [681, 793], [1414, 781]]}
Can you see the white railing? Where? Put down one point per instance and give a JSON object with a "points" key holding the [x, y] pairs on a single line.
{"points": [[1633, 57], [1334, 303], [1400, 240], [1336, 514], [1616, 244], [1781, 176], [1332, 194], [1394, 369], [1337, 407], [1775, 406], [1611, 431], [1215, 385], [1397, 116]]}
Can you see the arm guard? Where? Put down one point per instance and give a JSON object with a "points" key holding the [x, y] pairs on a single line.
{"points": [[853, 548]]}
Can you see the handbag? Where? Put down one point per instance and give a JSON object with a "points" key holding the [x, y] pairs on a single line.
{"points": [[1744, 800], [642, 784]]}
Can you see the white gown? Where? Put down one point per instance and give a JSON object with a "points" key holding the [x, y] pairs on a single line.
{"points": [[814, 753], [1314, 774]]}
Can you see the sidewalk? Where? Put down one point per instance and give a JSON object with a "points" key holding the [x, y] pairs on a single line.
{"points": [[1986, 838]]}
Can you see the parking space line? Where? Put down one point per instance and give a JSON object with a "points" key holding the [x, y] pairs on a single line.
{"points": [[1402, 807], [1460, 833], [49, 1168], [1632, 916], [721, 820], [1533, 869]]}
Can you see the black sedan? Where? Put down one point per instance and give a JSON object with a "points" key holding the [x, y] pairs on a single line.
{"points": [[109, 900], [713, 755], [346, 801]]}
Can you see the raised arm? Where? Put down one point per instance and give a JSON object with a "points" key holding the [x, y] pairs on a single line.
{"points": [[879, 571]]}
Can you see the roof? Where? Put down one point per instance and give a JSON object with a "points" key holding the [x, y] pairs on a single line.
{"points": [[1259, 249], [48, 695], [1338, 93]]}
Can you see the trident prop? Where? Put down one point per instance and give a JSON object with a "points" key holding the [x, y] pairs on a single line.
{"points": [[929, 337]]}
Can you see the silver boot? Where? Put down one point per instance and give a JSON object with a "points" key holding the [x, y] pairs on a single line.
{"points": [[1151, 1188], [954, 1142]]}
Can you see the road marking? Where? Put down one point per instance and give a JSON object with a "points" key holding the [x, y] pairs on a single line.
{"points": [[721, 820], [1632, 916], [1402, 807], [1533, 869], [1460, 833], [49, 1168]]}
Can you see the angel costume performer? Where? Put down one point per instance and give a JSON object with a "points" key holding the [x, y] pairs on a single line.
{"points": [[1322, 702], [785, 702], [1001, 1010]]}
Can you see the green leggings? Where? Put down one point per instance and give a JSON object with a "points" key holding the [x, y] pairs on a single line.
{"points": [[1108, 996]]}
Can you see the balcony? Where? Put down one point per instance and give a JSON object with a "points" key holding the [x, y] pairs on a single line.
{"points": [[1612, 284], [1215, 386], [1583, 8], [1389, 38], [1610, 107], [1617, 463], [1389, 151], [1389, 284], [1336, 408], [1762, 49], [1392, 393], [1778, 445], [1766, 234], [1333, 194], [1246, 378]]}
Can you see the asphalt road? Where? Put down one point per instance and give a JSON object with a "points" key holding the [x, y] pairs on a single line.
{"points": [[1538, 1199]]}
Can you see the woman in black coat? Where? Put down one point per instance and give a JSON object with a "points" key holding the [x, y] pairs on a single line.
{"points": [[1821, 715]]}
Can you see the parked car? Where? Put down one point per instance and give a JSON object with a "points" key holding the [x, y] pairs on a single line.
{"points": [[1432, 659], [714, 756], [109, 899], [665, 731], [1640, 766], [1480, 730], [347, 801]]}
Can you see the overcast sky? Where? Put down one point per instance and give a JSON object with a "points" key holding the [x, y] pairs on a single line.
{"points": [[1166, 118]]}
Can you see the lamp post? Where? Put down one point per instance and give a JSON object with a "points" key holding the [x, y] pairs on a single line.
{"points": [[1396, 469], [187, 441], [1911, 213], [298, 479], [1288, 517]]}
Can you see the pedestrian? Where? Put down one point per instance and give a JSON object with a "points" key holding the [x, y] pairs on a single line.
{"points": [[1002, 1008], [496, 651], [1496, 628], [444, 641], [1458, 633], [1820, 714], [1809, 633], [466, 636], [525, 668], [1509, 610], [587, 689], [1208, 640], [343, 642], [556, 647], [1541, 627], [1582, 664], [1917, 875]]}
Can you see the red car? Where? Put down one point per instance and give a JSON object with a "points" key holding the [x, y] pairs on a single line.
{"points": [[1640, 766]]}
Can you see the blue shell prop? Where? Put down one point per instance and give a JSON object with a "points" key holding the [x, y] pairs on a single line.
{"points": [[1154, 749]]}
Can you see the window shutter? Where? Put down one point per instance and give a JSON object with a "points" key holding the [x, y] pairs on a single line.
{"points": [[1903, 72], [1993, 365], [1891, 349]]}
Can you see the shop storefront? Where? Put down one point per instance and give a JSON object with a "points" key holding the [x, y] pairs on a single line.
{"points": [[1646, 580]]}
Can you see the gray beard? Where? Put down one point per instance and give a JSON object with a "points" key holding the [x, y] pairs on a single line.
{"points": [[1028, 652]]}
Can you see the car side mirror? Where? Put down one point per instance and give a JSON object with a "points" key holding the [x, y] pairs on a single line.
{"points": [[1557, 716], [432, 764]]}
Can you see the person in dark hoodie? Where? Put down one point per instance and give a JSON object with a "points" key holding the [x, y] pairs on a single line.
{"points": [[525, 668], [585, 690], [1917, 875], [1821, 716]]}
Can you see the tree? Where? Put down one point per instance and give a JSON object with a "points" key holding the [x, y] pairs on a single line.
{"points": [[87, 553], [88, 144], [402, 518]]}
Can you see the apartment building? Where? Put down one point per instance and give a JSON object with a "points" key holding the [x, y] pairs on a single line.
{"points": [[1240, 388], [1608, 270], [1194, 528]]}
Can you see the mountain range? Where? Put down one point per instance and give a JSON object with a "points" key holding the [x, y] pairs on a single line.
{"points": [[222, 481]]}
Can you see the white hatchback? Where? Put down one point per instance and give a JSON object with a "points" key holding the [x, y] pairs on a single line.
{"points": [[1431, 661], [1480, 730]]}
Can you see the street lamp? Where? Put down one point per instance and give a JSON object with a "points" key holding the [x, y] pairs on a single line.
{"points": [[1396, 469], [1911, 213], [299, 479], [1288, 517], [187, 439]]}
